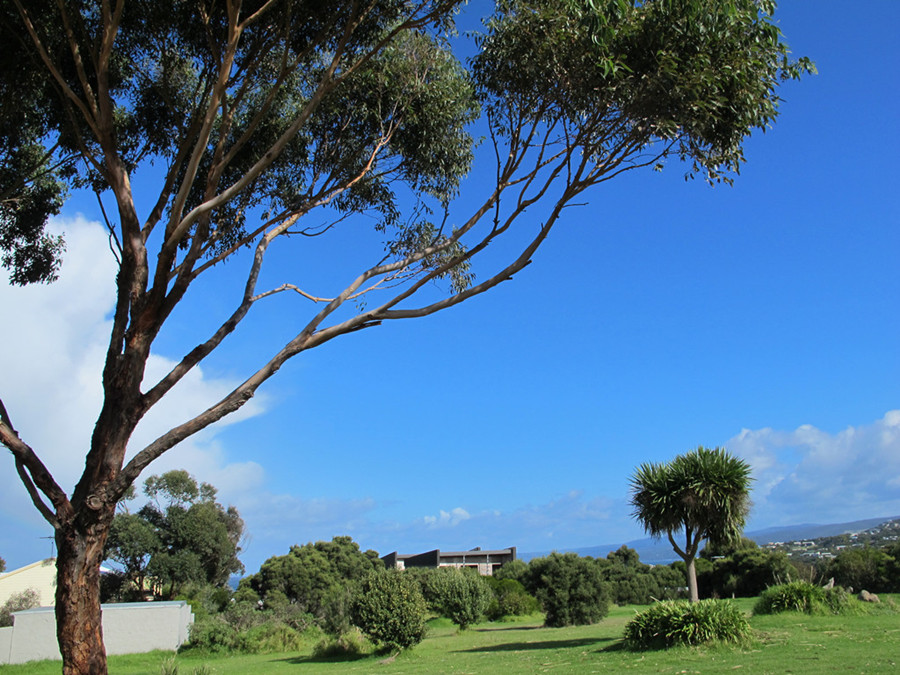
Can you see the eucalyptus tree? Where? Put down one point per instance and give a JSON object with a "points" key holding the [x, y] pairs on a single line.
{"points": [[702, 494], [268, 122]]}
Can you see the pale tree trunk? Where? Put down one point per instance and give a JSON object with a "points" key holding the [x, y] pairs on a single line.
{"points": [[78, 618], [689, 555], [692, 578]]}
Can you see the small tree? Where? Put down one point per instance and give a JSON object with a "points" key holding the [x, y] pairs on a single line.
{"points": [[2, 565], [705, 494], [462, 596], [390, 609], [183, 536], [570, 589]]}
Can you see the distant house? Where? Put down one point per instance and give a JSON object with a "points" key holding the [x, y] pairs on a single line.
{"points": [[486, 562], [40, 575]]}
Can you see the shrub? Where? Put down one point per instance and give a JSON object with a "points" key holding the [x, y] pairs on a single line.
{"points": [[510, 599], [864, 568], [516, 570], [213, 635], [570, 589], [679, 622], [17, 602], [462, 596], [802, 596], [351, 643], [270, 637], [389, 608]]}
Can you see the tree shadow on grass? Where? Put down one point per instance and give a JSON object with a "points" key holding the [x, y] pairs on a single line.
{"points": [[542, 644], [343, 658], [506, 628]]}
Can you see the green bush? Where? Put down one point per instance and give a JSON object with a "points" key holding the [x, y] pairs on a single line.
{"points": [[802, 596], [270, 638], [213, 635], [510, 599], [462, 595], [351, 643], [570, 589], [389, 608], [679, 622]]}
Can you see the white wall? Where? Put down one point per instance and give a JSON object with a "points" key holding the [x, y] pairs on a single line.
{"points": [[128, 628]]}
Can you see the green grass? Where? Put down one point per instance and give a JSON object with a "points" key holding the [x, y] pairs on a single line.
{"points": [[784, 643]]}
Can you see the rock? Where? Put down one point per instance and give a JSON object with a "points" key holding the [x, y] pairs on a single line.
{"points": [[865, 596]]}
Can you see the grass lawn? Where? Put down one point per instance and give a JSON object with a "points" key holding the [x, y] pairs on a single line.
{"points": [[785, 643]]}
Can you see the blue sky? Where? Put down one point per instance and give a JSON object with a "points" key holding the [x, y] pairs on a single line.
{"points": [[662, 315]]}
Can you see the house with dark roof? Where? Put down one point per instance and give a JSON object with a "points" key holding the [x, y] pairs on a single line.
{"points": [[485, 562]]}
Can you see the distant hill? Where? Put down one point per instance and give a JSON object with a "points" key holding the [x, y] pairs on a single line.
{"points": [[660, 552]]}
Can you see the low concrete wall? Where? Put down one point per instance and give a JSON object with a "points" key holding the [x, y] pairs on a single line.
{"points": [[128, 628]]}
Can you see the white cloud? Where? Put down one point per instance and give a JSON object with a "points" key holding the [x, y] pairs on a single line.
{"points": [[51, 357], [810, 475], [450, 518]]}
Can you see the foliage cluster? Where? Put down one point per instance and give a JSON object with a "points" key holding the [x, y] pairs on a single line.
{"points": [[390, 610], [570, 588], [317, 579], [510, 598], [461, 595], [679, 622], [867, 568], [27, 599], [182, 537], [803, 596], [743, 572], [631, 582]]}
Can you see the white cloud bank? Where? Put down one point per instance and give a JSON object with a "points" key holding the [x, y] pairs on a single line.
{"points": [[52, 348], [809, 475]]}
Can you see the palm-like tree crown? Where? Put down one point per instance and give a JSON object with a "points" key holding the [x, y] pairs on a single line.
{"points": [[704, 491]]}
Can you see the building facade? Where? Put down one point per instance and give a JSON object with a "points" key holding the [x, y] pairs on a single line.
{"points": [[484, 562]]}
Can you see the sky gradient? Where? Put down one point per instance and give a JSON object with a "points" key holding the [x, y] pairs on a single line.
{"points": [[661, 315]]}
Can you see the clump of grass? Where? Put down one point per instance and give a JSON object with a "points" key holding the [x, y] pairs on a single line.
{"points": [[351, 643], [679, 622], [802, 596]]}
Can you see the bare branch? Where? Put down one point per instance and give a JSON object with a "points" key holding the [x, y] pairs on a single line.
{"points": [[28, 466]]}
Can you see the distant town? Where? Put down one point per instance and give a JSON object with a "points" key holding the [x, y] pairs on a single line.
{"points": [[819, 548]]}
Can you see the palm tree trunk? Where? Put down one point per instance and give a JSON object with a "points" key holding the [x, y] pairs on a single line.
{"points": [[692, 578]]}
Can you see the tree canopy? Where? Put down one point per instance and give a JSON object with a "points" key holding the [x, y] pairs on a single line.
{"points": [[702, 494], [183, 536], [245, 123]]}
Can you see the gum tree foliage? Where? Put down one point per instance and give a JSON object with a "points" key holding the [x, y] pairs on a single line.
{"points": [[570, 589], [703, 494], [182, 536], [270, 122], [2, 565]]}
